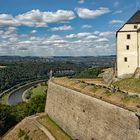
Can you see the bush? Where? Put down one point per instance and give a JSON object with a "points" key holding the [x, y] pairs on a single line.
{"points": [[28, 94], [11, 115], [7, 120], [37, 104], [90, 73], [21, 133]]}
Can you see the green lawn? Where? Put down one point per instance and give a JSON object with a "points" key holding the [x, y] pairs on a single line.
{"points": [[129, 84], [39, 90]]}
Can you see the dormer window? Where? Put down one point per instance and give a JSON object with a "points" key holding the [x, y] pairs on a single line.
{"points": [[135, 26], [128, 36]]}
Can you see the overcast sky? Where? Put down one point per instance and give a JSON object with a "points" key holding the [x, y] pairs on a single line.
{"points": [[62, 27]]}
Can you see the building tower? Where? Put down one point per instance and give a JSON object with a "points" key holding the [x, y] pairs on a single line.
{"points": [[128, 42]]}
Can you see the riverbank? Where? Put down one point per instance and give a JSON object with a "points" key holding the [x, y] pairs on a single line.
{"points": [[15, 95], [39, 89]]}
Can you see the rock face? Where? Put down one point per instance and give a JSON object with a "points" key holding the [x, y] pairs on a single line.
{"points": [[137, 73], [107, 75], [87, 118]]}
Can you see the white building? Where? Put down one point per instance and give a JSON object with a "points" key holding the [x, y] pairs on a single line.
{"points": [[128, 43]]}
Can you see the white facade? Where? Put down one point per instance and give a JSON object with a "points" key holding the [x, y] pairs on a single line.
{"points": [[128, 52]]}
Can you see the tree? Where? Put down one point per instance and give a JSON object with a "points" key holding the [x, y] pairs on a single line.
{"points": [[6, 119], [37, 104]]}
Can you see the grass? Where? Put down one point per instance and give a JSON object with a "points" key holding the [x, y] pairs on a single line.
{"points": [[109, 94], [26, 130], [39, 90], [21, 133], [4, 99], [126, 99], [54, 129], [129, 84]]}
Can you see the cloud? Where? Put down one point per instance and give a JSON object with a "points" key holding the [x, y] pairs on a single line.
{"points": [[91, 35], [79, 35], [82, 43], [24, 35], [8, 20], [89, 14], [81, 1], [9, 33], [86, 26], [61, 28], [36, 18], [102, 40], [13, 39], [116, 21], [33, 31], [107, 34]]}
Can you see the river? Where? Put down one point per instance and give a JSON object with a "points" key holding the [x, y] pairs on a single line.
{"points": [[16, 96]]}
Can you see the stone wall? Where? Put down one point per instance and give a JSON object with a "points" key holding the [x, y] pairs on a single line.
{"points": [[137, 73], [87, 118], [108, 75]]}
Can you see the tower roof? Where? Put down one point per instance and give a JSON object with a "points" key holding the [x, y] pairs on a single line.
{"points": [[135, 18]]}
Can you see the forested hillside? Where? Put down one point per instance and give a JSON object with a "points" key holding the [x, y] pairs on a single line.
{"points": [[17, 72]]}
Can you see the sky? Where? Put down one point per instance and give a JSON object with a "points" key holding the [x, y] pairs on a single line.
{"points": [[62, 27]]}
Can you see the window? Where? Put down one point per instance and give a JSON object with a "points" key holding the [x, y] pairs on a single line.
{"points": [[125, 59], [127, 47], [135, 26], [128, 36]]}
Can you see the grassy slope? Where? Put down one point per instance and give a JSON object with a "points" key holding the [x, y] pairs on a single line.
{"points": [[39, 90], [55, 130], [29, 127], [129, 84]]}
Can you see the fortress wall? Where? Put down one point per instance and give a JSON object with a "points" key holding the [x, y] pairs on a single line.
{"points": [[87, 118]]}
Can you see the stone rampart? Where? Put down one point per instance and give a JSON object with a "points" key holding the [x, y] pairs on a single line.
{"points": [[87, 118]]}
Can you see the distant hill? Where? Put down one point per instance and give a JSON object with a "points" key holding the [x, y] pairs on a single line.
{"points": [[90, 61]]}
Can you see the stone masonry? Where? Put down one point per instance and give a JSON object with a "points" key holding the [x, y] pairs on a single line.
{"points": [[87, 118]]}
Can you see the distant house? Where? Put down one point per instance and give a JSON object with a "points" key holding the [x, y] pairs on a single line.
{"points": [[128, 43]]}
